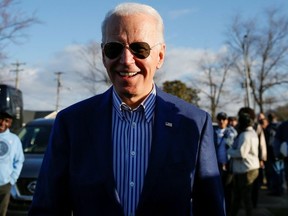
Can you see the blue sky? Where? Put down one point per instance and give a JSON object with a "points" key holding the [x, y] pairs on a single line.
{"points": [[189, 25]]}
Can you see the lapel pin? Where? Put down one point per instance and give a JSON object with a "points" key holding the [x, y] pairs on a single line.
{"points": [[168, 124]]}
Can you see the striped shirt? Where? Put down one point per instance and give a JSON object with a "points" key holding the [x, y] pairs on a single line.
{"points": [[132, 137]]}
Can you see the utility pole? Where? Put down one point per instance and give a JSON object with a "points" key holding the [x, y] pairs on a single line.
{"points": [[246, 68], [58, 74], [17, 70]]}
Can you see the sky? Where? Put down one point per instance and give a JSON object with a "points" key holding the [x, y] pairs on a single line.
{"points": [[191, 27]]}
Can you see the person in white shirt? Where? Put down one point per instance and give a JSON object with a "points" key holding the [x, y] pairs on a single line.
{"points": [[11, 160], [245, 164]]}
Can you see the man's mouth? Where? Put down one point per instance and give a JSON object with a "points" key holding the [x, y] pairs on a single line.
{"points": [[129, 74]]}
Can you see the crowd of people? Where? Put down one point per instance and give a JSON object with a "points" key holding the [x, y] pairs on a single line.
{"points": [[250, 155]]}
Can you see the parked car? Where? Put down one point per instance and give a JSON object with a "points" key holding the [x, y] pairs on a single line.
{"points": [[34, 137]]}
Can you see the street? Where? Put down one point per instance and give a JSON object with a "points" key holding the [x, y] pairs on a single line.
{"points": [[270, 205]]}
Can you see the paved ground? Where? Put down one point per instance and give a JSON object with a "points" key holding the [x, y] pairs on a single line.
{"points": [[267, 205], [270, 205]]}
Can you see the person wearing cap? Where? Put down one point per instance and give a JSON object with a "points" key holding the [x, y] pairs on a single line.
{"points": [[133, 150], [11, 160], [224, 136]]}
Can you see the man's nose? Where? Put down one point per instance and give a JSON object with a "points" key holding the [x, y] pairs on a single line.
{"points": [[126, 56]]}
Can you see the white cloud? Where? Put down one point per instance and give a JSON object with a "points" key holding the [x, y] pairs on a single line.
{"points": [[175, 14], [39, 84]]}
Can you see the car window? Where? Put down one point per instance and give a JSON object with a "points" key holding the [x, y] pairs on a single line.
{"points": [[35, 138]]}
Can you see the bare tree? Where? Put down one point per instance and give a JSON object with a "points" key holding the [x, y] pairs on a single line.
{"points": [[262, 51], [95, 75], [13, 22], [215, 74]]}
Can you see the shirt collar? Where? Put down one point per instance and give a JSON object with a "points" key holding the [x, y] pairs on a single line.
{"points": [[148, 105]]}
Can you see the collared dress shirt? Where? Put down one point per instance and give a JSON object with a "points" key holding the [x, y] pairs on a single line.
{"points": [[132, 137]]}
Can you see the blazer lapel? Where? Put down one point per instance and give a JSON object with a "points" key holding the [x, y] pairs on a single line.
{"points": [[103, 141], [164, 125]]}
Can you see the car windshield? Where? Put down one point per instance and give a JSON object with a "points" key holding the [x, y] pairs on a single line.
{"points": [[35, 138]]}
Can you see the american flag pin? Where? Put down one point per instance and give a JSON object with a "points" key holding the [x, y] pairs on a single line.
{"points": [[168, 124]]}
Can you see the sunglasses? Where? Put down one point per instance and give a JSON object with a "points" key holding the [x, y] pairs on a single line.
{"points": [[140, 50]]}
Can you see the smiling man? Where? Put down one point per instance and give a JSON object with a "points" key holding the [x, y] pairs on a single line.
{"points": [[133, 150], [11, 159]]}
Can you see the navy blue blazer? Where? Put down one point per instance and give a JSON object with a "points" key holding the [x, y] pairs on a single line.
{"points": [[77, 174]]}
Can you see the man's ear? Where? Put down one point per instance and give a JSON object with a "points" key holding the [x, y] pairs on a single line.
{"points": [[161, 56], [103, 58]]}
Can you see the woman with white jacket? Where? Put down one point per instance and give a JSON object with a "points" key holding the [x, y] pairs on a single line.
{"points": [[245, 164]]}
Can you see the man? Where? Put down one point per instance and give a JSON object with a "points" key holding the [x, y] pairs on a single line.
{"points": [[11, 160], [273, 166], [232, 121], [224, 136], [281, 138], [133, 150]]}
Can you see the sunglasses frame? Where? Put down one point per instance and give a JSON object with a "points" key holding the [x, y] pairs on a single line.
{"points": [[128, 46]]}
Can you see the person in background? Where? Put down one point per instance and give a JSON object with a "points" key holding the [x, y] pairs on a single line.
{"points": [[232, 121], [134, 149], [262, 151], [11, 159], [245, 164], [281, 138], [262, 120], [224, 136], [273, 166]]}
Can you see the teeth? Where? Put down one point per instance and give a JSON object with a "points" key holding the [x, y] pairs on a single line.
{"points": [[128, 74]]}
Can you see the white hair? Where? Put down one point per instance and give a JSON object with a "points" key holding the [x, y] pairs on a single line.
{"points": [[125, 9]]}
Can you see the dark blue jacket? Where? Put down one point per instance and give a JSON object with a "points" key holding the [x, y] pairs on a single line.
{"points": [[77, 172]]}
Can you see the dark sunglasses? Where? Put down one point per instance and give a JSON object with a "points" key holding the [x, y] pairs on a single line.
{"points": [[139, 49]]}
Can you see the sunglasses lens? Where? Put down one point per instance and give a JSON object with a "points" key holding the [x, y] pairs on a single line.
{"points": [[140, 49], [113, 50]]}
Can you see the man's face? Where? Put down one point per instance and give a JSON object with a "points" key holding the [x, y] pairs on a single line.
{"points": [[133, 77], [4, 124], [222, 122]]}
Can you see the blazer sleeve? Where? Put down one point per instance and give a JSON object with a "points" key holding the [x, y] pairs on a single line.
{"points": [[207, 191], [52, 193]]}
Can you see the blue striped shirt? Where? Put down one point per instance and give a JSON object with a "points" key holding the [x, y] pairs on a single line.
{"points": [[132, 137]]}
